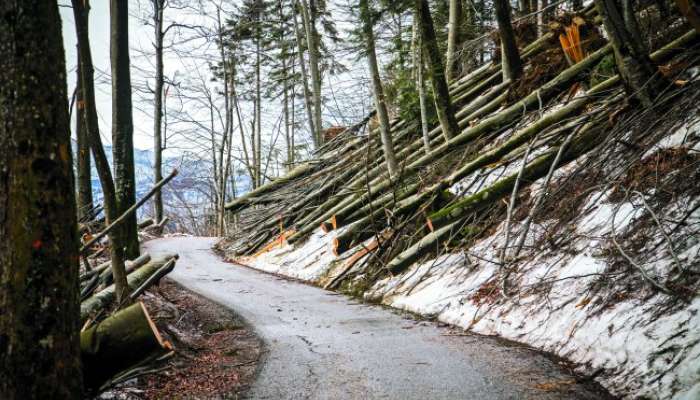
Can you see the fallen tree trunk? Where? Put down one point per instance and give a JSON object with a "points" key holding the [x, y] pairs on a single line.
{"points": [[129, 211], [447, 221], [491, 124], [117, 343], [106, 297], [154, 279], [106, 277], [298, 172]]}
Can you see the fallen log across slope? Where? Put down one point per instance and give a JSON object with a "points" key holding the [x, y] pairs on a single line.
{"points": [[106, 297], [117, 343]]}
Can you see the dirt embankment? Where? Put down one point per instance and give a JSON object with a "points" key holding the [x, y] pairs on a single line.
{"points": [[216, 354]]}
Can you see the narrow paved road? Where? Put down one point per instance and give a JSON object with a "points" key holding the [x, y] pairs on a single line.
{"points": [[320, 345]]}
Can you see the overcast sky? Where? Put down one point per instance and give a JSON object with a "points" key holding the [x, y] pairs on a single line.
{"points": [[342, 90]]}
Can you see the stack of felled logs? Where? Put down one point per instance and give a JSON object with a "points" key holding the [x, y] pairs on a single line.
{"points": [[118, 337], [347, 188]]}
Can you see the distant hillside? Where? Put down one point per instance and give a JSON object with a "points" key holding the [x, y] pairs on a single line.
{"points": [[187, 194]]}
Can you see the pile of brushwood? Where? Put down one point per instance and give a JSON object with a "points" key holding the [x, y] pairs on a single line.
{"points": [[118, 340], [550, 118]]}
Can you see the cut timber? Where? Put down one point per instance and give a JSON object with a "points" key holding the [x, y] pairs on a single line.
{"points": [[502, 119], [117, 343], [298, 172], [106, 297], [535, 170], [153, 279], [276, 242], [372, 246], [426, 244], [450, 219], [106, 275]]}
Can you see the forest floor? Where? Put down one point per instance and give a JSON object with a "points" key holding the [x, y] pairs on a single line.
{"points": [[216, 354]]}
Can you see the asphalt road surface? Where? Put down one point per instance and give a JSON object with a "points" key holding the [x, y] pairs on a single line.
{"points": [[321, 345]]}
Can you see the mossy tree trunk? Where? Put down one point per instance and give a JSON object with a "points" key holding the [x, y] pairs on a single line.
{"points": [[443, 103], [122, 123], [39, 345]]}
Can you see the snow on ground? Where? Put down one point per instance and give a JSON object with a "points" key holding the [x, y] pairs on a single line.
{"points": [[633, 349]]}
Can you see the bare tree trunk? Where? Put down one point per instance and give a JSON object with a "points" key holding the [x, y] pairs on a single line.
{"points": [[313, 44], [83, 153], [101, 164], [454, 37], [379, 102], [122, 123], [445, 110], [305, 80], [158, 108], [542, 17], [284, 54], [510, 57], [632, 58], [39, 342], [258, 108], [418, 65]]}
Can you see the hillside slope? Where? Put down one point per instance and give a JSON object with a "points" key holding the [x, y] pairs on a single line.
{"points": [[562, 216]]}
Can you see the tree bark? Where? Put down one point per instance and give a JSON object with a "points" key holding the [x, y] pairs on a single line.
{"points": [[101, 164], [454, 37], [631, 57], [443, 104], [418, 67], [378, 91], [117, 343], [313, 44], [305, 80], [84, 171], [158, 108], [122, 123], [510, 57], [39, 348], [107, 296]]}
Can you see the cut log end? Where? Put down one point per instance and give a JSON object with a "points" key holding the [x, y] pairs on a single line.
{"points": [[326, 227], [336, 245], [334, 222], [163, 343]]}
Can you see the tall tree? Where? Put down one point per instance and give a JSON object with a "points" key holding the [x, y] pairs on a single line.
{"points": [[158, 8], [443, 104], [454, 30], [87, 82], [39, 321], [83, 153], [122, 123], [309, 13], [305, 78], [419, 66], [379, 102], [510, 56], [631, 56]]}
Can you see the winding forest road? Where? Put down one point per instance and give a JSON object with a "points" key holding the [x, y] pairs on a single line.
{"points": [[321, 345]]}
